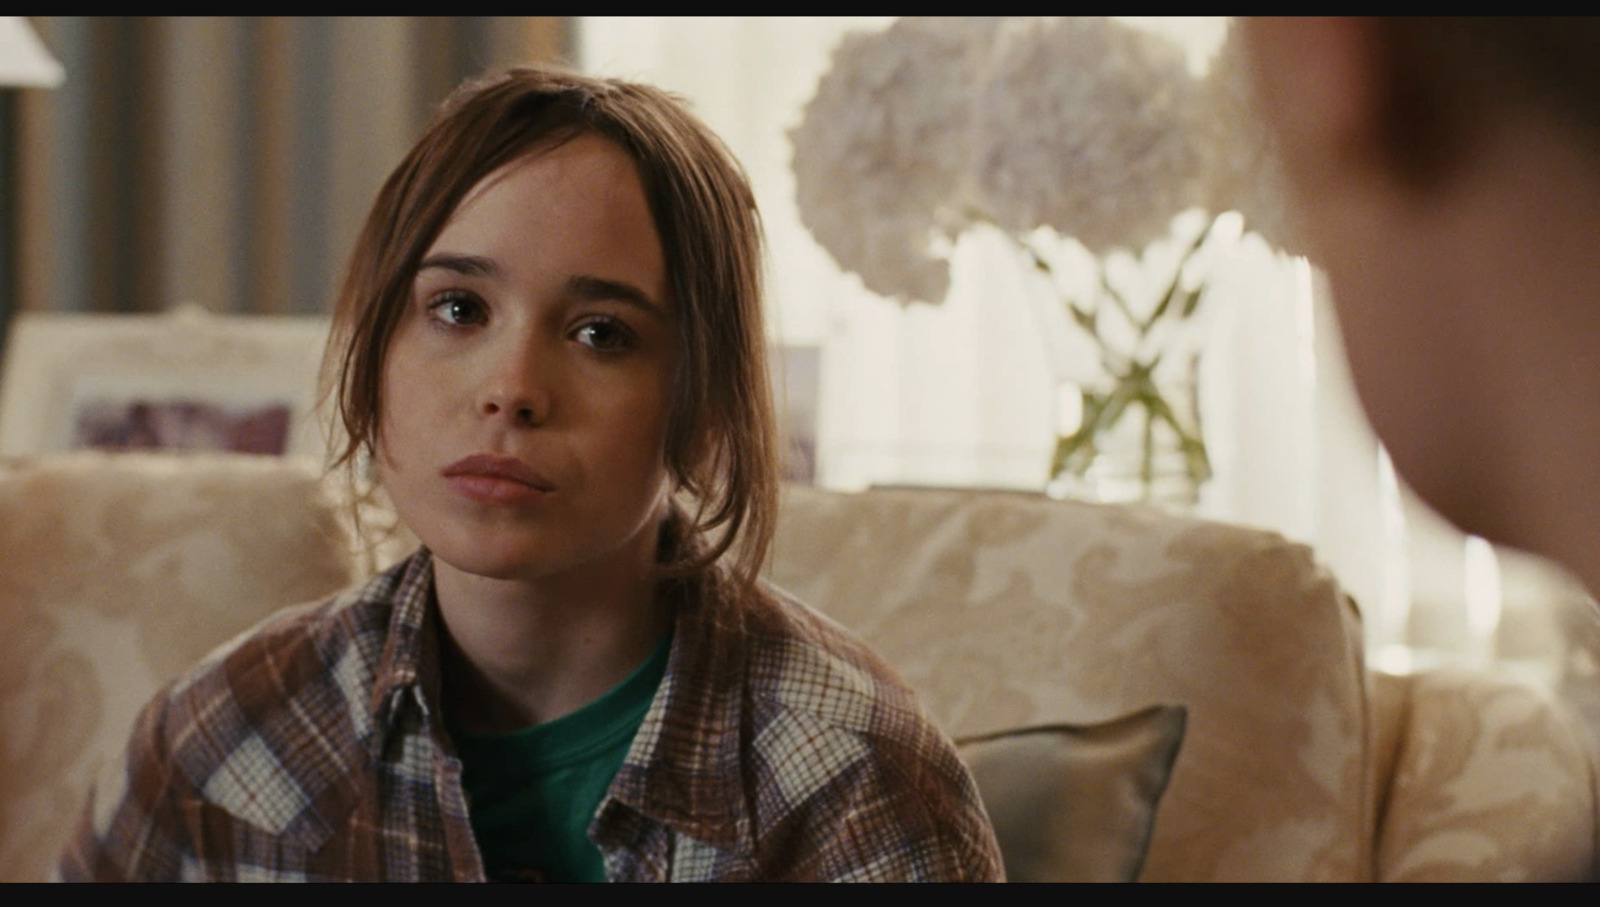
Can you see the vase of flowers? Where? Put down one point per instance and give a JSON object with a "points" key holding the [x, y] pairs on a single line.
{"points": [[1078, 132], [1128, 425], [1130, 436]]}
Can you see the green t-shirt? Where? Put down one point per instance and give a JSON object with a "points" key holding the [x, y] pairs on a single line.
{"points": [[532, 792]]}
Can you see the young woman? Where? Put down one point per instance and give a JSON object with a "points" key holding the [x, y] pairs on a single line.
{"points": [[549, 343]]}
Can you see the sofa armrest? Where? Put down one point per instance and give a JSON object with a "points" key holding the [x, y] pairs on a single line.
{"points": [[1479, 777]]}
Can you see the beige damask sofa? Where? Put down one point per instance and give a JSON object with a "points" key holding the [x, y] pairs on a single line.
{"points": [[1005, 611]]}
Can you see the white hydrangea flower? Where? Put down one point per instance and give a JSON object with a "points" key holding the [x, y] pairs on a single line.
{"points": [[1086, 125], [1090, 126], [882, 147]]}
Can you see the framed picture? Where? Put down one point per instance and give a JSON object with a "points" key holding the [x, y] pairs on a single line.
{"points": [[182, 381]]}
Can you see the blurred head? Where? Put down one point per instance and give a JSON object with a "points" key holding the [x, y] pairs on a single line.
{"points": [[1446, 174], [720, 450]]}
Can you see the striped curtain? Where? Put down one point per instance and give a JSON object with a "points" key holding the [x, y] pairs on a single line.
{"points": [[227, 162]]}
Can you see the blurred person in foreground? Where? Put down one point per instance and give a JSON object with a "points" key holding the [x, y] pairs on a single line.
{"points": [[1447, 175]]}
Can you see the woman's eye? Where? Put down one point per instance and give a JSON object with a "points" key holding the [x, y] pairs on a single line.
{"points": [[605, 335], [458, 309]]}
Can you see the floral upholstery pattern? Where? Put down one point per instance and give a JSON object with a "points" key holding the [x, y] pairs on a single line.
{"points": [[1468, 756], [1010, 610], [116, 573]]}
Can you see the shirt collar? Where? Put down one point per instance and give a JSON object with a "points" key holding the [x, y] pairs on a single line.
{"points": [[685, 768], [410, 660]]}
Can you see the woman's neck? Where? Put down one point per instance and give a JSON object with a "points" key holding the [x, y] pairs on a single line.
{"points": [[515, 653]]}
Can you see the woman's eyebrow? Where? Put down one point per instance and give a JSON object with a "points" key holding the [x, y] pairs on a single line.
{"points": [[465, 265], [586, 288], [580, 287]]}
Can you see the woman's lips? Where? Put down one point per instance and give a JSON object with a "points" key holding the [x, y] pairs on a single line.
{"points": [[496, 479]]}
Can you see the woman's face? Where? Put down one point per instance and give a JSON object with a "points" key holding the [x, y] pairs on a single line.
{"points": [[526, 389]]}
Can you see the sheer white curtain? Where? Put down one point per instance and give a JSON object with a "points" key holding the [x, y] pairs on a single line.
{"points": [[960, 393]]}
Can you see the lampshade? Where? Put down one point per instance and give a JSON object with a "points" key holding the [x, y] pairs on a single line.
{"points": [[23, 59]]}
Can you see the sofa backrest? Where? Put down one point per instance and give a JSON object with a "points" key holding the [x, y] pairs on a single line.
{"points": [[1006, 610], [119, 571]]}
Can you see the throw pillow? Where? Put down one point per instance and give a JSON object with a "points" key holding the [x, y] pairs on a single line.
{"points": [[1076, 803]]}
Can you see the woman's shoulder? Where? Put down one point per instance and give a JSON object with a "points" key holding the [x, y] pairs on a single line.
{"points": [[802, 659], [306, 669], [849, 747], [821, 683], [317, 631], [250, 742]]}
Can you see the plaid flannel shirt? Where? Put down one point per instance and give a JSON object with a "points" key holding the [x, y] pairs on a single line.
{"points": [[777, 747]]}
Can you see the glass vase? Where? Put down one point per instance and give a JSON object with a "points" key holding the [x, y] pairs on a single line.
{"points": [[1123, 336], [1132, 434]]}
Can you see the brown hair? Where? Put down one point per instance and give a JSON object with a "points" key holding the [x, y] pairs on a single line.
{"points": [[720, 438]]}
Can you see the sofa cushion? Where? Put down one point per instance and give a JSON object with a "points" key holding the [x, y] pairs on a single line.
{"points": [[1075, 803], [118, 571]]}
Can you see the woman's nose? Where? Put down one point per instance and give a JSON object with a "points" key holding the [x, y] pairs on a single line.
{"points": [[516, 388]]}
